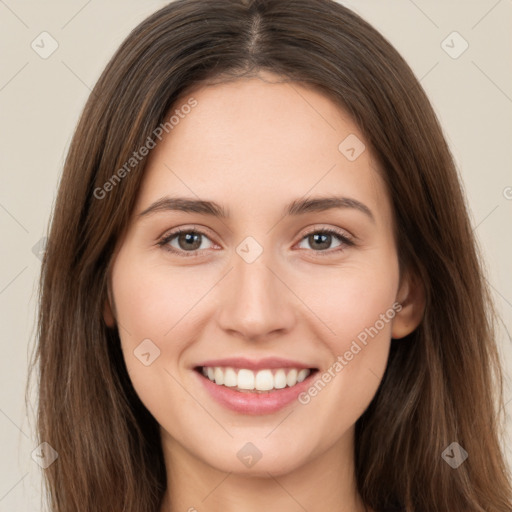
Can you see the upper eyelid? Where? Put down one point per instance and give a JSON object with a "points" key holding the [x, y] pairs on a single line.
{"points": [[336, 230], [170, 234]]}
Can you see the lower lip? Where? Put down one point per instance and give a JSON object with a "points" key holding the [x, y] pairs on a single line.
{"points": [[254, 403]]}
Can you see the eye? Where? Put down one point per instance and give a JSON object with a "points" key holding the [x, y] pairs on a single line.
{"points": [[321, 240], [183, 241], [189, 242]]}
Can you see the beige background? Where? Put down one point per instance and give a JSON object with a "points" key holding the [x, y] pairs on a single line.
{"points": [[41, 99]]}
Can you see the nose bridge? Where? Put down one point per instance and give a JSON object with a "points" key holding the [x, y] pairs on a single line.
{"points": [[255, 302]]}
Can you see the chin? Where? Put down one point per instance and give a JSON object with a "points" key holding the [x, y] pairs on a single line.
{"points": [[251, 458]]}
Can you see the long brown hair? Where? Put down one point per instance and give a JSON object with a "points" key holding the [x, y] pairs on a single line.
{"points": [[443, 382]]}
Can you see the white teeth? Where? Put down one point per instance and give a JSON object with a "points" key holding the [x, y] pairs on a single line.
{"points": [[230, 378], [219, 376], [280, 379], [245, 379], [263, 380], [291, 378], [302, 375]]}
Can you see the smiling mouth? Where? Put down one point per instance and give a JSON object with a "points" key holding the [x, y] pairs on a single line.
{"points": [[249, 381]]}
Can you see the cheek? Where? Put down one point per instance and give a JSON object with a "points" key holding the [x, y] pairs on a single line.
{"points": [[151, 312], [355, 306], [351, 300], [151, 301]]}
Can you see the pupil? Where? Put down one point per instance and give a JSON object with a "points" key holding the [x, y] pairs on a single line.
{"points": [[322, 239], [189, 239]]}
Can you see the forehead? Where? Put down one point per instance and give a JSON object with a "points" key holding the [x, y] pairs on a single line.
{"points": [[253, 141]]}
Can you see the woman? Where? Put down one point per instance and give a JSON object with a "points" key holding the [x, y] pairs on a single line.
{"points": [[198, 350]]}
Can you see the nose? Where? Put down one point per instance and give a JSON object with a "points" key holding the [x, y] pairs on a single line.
{"points": [[256, 302]]}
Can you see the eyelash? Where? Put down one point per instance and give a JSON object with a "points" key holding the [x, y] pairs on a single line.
{"points": [[343, 238]]}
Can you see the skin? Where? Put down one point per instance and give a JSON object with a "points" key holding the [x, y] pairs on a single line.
{"points": [[253, 145]]}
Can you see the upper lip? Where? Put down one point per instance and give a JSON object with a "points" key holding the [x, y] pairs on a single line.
{"points": [[252, 364]]}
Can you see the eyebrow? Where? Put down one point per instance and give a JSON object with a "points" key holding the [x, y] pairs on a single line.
{"points": [[296, 207]]}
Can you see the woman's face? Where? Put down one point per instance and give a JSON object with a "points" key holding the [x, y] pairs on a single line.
{"points": [[280, 283]]}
